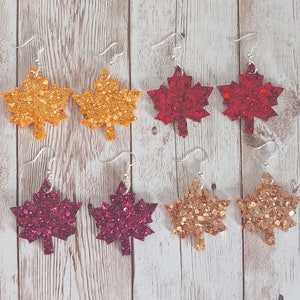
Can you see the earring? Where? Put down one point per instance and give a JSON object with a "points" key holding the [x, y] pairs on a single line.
{"points": [[271, 207], [124, 218], [37, 103], [108, 105], [250, 97], [198, 212], [46, 216], [180, 100]]}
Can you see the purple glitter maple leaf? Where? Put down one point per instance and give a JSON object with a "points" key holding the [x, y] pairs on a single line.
{"points": [[123, 218], [46, 217]]}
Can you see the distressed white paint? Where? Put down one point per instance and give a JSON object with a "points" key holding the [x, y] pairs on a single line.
{"points": [[233, 266], [270, 271], [8, 174]]}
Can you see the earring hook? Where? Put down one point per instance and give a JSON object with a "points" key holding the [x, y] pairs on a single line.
{"points": [[115, 55], [251, 50], [49, 169], [271, 154], [38, 54], [187, 156], [126, 176], [176, 48]]}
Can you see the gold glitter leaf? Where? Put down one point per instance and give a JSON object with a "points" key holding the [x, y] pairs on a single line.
{"points": [[197, 214], [270, 208], [36, 103], [107, 106]]}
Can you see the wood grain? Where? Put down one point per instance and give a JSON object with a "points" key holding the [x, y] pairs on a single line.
{"points": [[8, 162], [273, 271], [154, 176], [236, 264], [82, 267], [216, 272]]}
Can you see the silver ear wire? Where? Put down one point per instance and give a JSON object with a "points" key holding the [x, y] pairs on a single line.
{"points": [[187, 156], [271, 153], [251, 50], [38, 54], [176, 48], [116, 54], [126, 177], [49, 173]]}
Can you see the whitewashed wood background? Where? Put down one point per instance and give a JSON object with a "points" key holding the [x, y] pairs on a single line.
{"points": [[235, 264]]}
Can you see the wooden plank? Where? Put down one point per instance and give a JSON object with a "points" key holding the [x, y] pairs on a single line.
{"points": [[216, 272], [82, 267], [273, 271], [8, 164], [157, 259], [163, 266]]}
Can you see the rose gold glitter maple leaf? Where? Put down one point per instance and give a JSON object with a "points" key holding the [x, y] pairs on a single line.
{"points": [[197, 214], [108, 105], [270, 208], [37, 103]]}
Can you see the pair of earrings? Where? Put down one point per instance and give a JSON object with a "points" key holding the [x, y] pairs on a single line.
{"points": [[271, 207], [47, 217], [245, 100], [37, 103]]}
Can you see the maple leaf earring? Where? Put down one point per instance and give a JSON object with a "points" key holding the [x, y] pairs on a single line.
{"points": [[271, 207], [181, 100], [46, 217], [250, 97], [124, 218], [37, 103], [108, 105], [198, 212]]}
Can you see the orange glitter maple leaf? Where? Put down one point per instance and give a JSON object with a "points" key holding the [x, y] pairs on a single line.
{"points": [[197, 214], [108, 105], [270, 208], [36, 103]]}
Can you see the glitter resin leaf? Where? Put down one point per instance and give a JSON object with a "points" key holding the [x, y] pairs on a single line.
{"points": [[46, 217], [250, 98], [123, 219], [107, 105], [269, 208], [197, 214], [181, 101], [37, 103]]}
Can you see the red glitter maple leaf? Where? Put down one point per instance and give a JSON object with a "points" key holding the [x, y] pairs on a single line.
{"points": [[250, 98], [123, 218], [181, 101], [46, 217]]}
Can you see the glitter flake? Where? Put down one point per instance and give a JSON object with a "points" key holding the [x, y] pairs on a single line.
{"points": [[46, 217], [270, 208], [250, 98], [37, 103], [181, 101], [123, 219], [107, 106], [197, 214]]}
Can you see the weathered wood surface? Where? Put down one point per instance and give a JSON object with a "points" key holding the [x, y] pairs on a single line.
{"points": [[270, 271], [8, 162], [235, 264]]}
